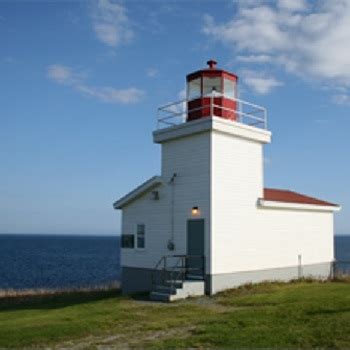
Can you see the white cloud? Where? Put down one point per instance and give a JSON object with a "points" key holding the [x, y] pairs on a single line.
{"points": [[182, 93], [308, 41], [8, 59], [152, 72], [111, 23], [60, 74], [267, 160], [260, 83], [254, 58], [67, 76], [292, 5], [322, 121], [112, 95], [341, 99]]}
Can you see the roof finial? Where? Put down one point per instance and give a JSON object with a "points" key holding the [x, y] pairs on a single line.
{"points": [[212, 64]]}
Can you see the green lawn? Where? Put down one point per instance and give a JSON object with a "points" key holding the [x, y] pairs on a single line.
{"points": [[296, 315]]}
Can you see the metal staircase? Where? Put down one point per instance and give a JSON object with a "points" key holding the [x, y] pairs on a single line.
{"points": [[177, 277]]}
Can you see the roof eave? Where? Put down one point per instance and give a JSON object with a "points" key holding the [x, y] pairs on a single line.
{"points": [[137, 192]]}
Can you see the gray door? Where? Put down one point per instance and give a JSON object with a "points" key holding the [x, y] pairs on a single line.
{"points": [[195, 248]]}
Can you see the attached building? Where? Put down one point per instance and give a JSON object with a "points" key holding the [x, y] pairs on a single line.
{"points": [[207, 219]]}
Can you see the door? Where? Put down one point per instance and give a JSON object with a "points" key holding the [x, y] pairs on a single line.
{"points": [[195, 248]]}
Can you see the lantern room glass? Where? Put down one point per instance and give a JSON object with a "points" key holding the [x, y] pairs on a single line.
{"points": [[211, 85], [229, 88], [194, 89]]}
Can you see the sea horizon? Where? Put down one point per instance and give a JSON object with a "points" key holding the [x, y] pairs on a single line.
{"points": [[58, 260], [91, 234], [53, 260], [60, 234]]}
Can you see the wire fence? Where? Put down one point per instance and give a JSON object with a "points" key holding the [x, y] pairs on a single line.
{"points": [[45, 279], [341, 269]]}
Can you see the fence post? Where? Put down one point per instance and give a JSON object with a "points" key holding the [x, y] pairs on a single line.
{"points": [[300, 272], [203, 266], [165, 277], [333, 269], [183, 263]]}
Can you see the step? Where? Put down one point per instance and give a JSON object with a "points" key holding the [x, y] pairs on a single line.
{"points": [[195, 277], [190, 288], [174, 283]]}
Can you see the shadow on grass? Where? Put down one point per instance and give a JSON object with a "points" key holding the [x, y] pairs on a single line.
{"points": [[328, 312], [57, 300], [143, 297]]}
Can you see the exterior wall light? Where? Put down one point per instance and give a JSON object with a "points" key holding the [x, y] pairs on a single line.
{"points": [[155, 195], [195, 211]]}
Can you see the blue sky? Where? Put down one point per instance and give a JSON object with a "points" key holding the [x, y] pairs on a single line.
{"points": [[81, 82]]}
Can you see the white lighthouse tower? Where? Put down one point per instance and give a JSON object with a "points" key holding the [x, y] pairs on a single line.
{"points": [[207, 223]]}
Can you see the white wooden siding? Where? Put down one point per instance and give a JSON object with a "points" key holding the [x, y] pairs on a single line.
{"points": [[221, 172], [237, 183], [189, 158], [245, 237]]}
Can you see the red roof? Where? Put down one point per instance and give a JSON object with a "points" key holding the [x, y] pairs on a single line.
{"points": [[275, 195]]}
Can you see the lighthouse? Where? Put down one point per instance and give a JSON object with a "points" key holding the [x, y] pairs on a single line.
{"points": [[207, 223], [211, 92]]}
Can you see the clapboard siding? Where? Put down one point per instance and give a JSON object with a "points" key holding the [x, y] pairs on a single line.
{"points": [[189, 158], [245, 237], [292, 232], [220, 170], [237, 183]]}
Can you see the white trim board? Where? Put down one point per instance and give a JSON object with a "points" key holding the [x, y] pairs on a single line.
{"points": [[137, 192], [295, 206], [212, 124]]}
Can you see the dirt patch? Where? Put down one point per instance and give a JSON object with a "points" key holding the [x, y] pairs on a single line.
{"points": [[124, 341], [138, 337]]}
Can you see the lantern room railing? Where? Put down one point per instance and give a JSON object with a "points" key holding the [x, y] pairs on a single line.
{"points": [[247, 113]]}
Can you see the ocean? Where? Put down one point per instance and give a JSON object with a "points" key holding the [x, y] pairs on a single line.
{"points": [[62, 261], [58, 261], [342, 248]]}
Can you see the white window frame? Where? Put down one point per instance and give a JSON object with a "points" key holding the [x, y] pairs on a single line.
{"points": [[121, 241], [136, 236]]}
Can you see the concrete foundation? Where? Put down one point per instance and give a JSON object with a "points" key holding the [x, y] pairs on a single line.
{"points": [[136, 280], [220, 282]]}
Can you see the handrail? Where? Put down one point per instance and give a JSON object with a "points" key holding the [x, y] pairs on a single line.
{"points": [[176, 271], [176, 113], [156, 268]]}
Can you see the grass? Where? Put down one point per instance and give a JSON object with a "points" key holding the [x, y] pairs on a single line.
{"points": [[44, 291], [269, 315]]}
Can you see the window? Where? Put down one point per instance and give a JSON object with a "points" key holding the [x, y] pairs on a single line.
{"points": [[211, 85], [229, 88], [140, 235], [128, 241], [194, 89]]}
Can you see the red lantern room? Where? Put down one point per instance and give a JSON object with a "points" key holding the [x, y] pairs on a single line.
{"points": [[211, 92]]}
